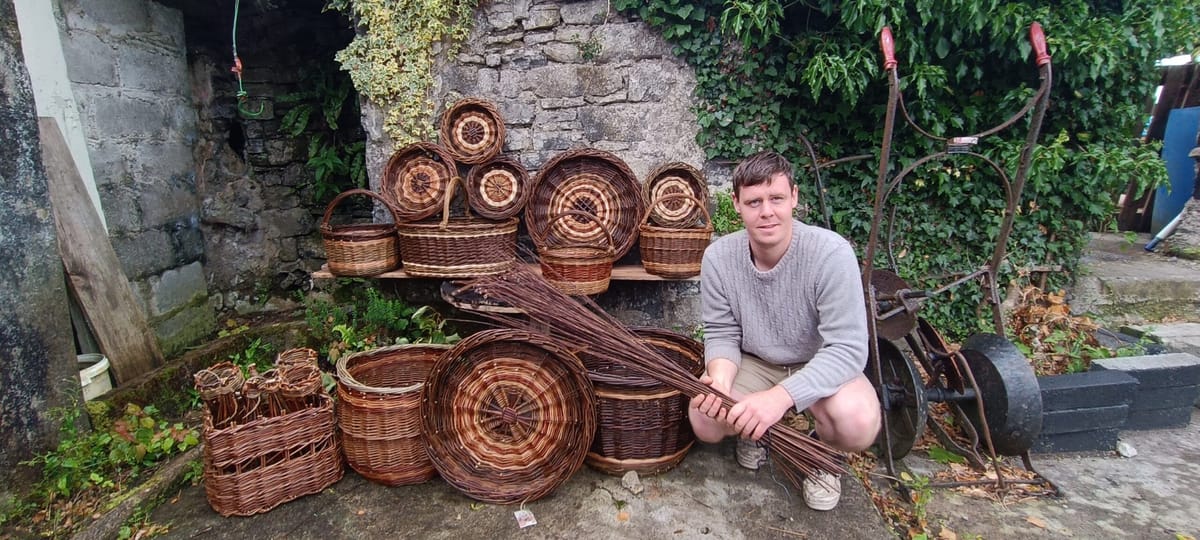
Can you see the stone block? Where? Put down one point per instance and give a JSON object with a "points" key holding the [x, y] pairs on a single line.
{"points": [[538, 38], [591, 12], [144, 254], [617, 123], [168, 23], [1174, 417], [517, 140], [512, 84], [121, 212], [153, 70], [543, 16], [1165, 398], [555, 115], [177, 288], [518, 113], [522, 59], [187, 241], [287, 223], [186, 328], [158, 162], [630, 41], [162, 201], [500, 19], [116, 17], [1155, 371], [126, 117], [565, 53], [89, 59], [109, 163], [561, 103], [1080, 441], [1088, 389], [1093, 418], [653, 80]]}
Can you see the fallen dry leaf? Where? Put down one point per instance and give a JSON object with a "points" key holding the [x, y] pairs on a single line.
{"points": [[1036, 521], [947, 534], [623, 516]]}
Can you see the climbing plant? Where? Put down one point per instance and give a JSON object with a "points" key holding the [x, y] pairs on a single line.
{"points": [[391, 56], [768, 71]]}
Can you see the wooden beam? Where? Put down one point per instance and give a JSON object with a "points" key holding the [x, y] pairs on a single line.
{"points": [[93, 271]]}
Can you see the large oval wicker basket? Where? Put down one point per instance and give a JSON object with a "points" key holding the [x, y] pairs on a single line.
{"points": [[508, 416], [592, 181], [379, 397], [675, 178], [359, 250], [674, 252], [643, 425], [575, 268], [416, 178], [472, 130], [456, 247]]}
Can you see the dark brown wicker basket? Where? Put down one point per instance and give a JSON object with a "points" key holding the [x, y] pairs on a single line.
{"points": [[508, 416], [498, 189], [472, 130], [674, 252], [253, 467], [676, 178], [577, 269], [457, 247], [359, 250], [642, 425], [416, 178], [379, 412], [592, 181]]}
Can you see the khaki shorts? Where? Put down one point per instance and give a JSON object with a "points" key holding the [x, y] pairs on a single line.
{"points": [[756, 375]]}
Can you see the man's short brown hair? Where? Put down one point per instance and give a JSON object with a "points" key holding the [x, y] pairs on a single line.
{"points": [[759, 168]]}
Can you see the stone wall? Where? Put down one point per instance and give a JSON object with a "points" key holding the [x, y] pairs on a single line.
{"points": [[576, 74], [127, 62], [37, 357]]}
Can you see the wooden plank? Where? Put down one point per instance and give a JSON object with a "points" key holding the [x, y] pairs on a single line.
{"points": [[93, 271], [631, 272]]}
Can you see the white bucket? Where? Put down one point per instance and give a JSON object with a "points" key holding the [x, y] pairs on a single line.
{"points": [[93, 375]]}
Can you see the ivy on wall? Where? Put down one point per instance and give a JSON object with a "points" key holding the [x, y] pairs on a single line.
{"points": [[770, 70], [390, 59]]}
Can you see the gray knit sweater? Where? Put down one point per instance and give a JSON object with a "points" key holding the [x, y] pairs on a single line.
{"points": [[808, 310]]}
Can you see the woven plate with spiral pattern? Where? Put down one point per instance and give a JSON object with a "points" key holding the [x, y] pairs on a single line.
{"points": [[498, 189], [585, 180], [472, 130], [669, 179], [415, 180]]}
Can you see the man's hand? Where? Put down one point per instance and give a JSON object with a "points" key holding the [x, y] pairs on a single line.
{"points": [[752, 415], [705, 411]]}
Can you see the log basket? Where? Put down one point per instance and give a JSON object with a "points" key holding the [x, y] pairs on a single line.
{"points": [[642, 425], [379, 412], [674, 252], [508, 415], [457, 247], [361, 250], [575, 268]]}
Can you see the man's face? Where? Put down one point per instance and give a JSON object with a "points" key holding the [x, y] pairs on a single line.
{"points": [[766, 209]]}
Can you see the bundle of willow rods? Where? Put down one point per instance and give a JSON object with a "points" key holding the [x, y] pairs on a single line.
{"points": [[583, 324]]}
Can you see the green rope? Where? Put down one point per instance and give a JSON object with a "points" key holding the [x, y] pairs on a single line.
{"points": [[242, 95]]}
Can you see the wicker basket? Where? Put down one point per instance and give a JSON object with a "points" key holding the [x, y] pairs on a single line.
{"points": [[416, 178], [642, 425], [457, 247], [472, 130], [508, 416], [359, 250], [577, 269], [592, 181], [379, 412], [253, 467], [674, 253], [675, 178], [498, 189]]}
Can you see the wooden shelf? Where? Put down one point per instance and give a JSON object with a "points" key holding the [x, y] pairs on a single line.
{"points": [[630, 272]]}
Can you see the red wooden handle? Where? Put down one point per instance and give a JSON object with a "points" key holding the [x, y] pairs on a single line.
{"points": [[1038, 39], [889, 48]]}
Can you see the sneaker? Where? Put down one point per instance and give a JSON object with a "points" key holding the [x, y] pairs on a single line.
{"points": [[822, 491], [751, 454]]}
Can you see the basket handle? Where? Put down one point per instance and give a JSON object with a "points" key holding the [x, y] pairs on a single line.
{"points": [[450, 187], [587, 215], [356, 191], [673, 196]]}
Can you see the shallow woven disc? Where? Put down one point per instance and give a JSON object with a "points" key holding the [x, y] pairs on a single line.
{"points": [[586, 180], [474, 132], [584, 192], [679, 210], [416, 178], [499, 188], [507, 420]]}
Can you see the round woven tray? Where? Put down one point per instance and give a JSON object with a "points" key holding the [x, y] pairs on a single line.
{"points": [[676, 178], [577, 269], [379, 397], [359, 250], [498, 189], [592, 181], [508, 416], [415, 179], [472, 130], [674, 252]]}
